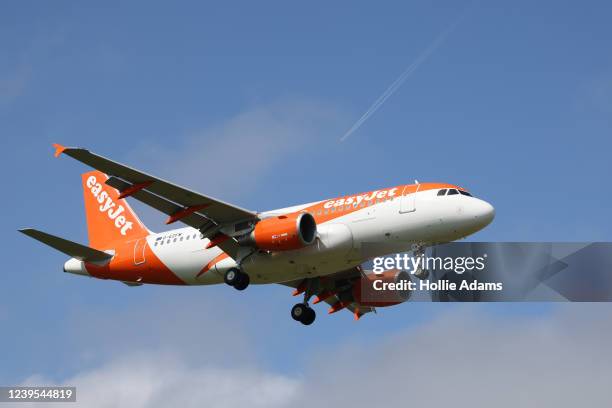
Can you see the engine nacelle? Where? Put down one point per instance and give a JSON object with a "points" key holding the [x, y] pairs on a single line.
{"points": [[283, 233], [379, 290]]}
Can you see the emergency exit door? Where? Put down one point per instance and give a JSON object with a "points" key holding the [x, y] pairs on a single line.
{"points": [[408, 200], [139, 251]]}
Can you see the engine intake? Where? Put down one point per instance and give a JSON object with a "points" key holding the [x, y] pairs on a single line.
{"points": [[283, 233]]}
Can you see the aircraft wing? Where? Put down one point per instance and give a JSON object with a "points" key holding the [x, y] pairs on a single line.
{"points": [[334, 290], [210, 215]]}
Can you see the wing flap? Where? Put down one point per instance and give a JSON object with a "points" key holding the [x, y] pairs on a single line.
{"points": [[78, 251], [336, 283], [167, 207]]}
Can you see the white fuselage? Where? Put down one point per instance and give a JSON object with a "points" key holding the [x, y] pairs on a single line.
{"points": [[352, 236]]}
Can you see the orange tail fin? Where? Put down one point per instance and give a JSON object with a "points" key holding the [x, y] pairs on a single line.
{"points": [[109, 218]]}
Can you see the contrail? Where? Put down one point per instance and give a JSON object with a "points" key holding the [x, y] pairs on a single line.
{"points": [[405, 75]]}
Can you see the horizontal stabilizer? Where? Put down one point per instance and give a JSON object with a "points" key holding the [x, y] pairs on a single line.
{"points": [[78, 251]]}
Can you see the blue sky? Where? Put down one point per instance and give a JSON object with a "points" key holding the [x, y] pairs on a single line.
{"points": [[247, 102]]}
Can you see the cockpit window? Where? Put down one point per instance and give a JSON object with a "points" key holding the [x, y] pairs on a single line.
{"points": [[453, 191]]}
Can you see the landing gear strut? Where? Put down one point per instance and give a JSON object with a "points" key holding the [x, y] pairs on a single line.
{"points": [[236, 278], [419, 253], [303, 313]]}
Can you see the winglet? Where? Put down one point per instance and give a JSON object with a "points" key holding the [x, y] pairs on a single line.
{"points": [[59, 149]]}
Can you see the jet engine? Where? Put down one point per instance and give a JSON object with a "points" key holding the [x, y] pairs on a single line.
{"points": [[283, 232], [379, 290]]}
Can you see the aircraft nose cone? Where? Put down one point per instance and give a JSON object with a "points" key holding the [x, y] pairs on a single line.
{"points": [[483, 213]]}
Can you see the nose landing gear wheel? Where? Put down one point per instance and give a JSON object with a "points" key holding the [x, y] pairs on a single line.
{"points": [[236, 278], [303, 313]]}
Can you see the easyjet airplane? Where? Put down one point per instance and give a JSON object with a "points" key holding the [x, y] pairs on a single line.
{"points": [[316, 248]]}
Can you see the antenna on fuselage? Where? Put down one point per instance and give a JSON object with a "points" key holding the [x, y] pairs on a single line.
{"points": [[416, 181]]}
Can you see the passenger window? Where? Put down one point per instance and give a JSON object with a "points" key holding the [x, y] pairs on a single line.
{"points": [[442, 192], [452, 191], [465, 193]]}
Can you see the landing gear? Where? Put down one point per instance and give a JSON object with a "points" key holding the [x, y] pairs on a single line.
{"points": [[303, 313], [421, 273], [419, 253], [236, 278]]}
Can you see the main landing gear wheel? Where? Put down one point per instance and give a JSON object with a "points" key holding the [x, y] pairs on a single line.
{"points": [[303, 313], [236, 278]]}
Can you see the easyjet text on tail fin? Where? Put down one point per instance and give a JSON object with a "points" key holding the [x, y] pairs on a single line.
{"points": [[109, 219]]}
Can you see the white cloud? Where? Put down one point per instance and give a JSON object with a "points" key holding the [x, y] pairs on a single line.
{"points": [[160, 320], [149, 380], [479, 360], [232, 157], [462, 358]]}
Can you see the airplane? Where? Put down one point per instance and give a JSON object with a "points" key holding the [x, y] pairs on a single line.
{"points": [[316, 248]]}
